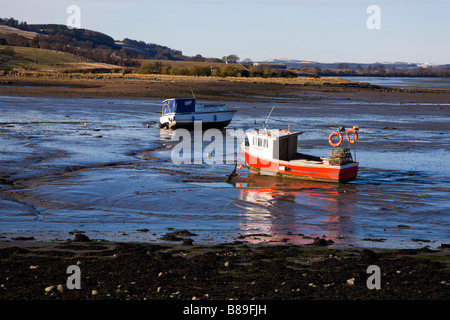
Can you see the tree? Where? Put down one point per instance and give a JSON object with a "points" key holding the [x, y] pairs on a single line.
{"points": [[343, 66], [232, 58], [198, 58]]}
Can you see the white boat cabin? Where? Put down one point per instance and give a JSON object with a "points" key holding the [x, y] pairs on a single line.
{"points": [[273, 144], [179, 106]]}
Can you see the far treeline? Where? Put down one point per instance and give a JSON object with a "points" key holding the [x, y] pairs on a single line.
{"points": [[245, 69], [202, 69], [374, 70]]}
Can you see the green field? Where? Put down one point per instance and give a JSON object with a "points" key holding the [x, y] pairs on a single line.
{"points": [[19, 58]]}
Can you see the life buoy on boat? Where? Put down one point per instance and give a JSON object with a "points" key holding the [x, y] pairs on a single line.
{"points": [[330, 139], [355, 133], [239, 166]]}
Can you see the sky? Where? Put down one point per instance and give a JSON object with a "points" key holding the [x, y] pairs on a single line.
{"points": [[316, 30]]}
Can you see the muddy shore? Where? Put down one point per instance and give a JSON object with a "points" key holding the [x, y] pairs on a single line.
{"points": [[171, 271], [215, 89], [234, 271]]}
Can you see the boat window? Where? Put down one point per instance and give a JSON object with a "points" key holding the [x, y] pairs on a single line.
{"points": [[259, 142]]}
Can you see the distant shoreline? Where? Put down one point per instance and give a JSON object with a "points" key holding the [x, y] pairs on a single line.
{"points": [[155, 86]]}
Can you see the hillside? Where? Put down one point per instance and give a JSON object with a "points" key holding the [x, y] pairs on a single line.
{"points": [[86, 43], [27, 58]]}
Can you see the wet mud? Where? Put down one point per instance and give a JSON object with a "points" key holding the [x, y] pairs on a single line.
{"points": [[130, 271], [100, 166], [103, 166]]}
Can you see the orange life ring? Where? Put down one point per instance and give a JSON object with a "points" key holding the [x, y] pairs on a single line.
{"points": [[239, 166], [330, 139], [355, 133]]}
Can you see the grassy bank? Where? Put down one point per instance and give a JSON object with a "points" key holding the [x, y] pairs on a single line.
{"points": [[24, 74], [27, 60], [133, 85]]}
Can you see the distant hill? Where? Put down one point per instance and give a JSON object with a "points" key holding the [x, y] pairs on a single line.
{"points": [[306, 67], [83, 42]]}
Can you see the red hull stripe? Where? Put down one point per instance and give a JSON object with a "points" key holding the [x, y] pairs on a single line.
{"points": [[328, 173]]}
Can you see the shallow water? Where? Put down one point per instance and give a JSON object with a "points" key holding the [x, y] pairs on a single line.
{"points": [[436, 83], [93, 165]]}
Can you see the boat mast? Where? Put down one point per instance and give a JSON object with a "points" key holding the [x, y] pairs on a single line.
{"points": [[265, 122]]}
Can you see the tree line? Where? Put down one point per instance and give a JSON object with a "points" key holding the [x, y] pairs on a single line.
{"points": [[377, 70], [228, 70]]}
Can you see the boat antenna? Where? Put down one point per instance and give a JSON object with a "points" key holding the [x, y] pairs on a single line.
{"points": [[265, 122]]}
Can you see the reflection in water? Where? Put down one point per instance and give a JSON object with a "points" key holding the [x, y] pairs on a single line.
{"points": [[287, 210]]}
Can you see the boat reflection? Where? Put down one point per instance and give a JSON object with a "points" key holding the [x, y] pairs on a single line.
{"points": [[279, 210]]}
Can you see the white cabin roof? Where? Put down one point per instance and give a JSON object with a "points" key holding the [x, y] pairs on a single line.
{"points": [[275, 133]]}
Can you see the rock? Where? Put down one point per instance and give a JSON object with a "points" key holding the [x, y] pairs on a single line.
{"points": [[170, 237], [94, 292], [79, 237], [320, 242], [174, 236], [367, 255], [353, 281], [60, 288], [22, 238], [49, 288], [188, 242], [227, 264]]}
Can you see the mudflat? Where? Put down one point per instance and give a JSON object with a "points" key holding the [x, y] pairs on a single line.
{"points": [[32, 270], [226, 89], [236, 271]]}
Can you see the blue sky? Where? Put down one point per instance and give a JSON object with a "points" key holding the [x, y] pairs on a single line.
{"points": [[320, 30]]}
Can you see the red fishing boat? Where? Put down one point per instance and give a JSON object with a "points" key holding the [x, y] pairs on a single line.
{"points": [[274, 152]]}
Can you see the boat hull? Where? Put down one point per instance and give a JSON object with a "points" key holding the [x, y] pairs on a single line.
{"points": [[305, 170], [207, 119]]}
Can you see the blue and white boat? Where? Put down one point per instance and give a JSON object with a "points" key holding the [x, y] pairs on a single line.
{"points": [[182, 113]]}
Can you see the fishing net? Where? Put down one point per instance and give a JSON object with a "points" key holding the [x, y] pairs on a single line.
{"points": [[340, 157]]}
